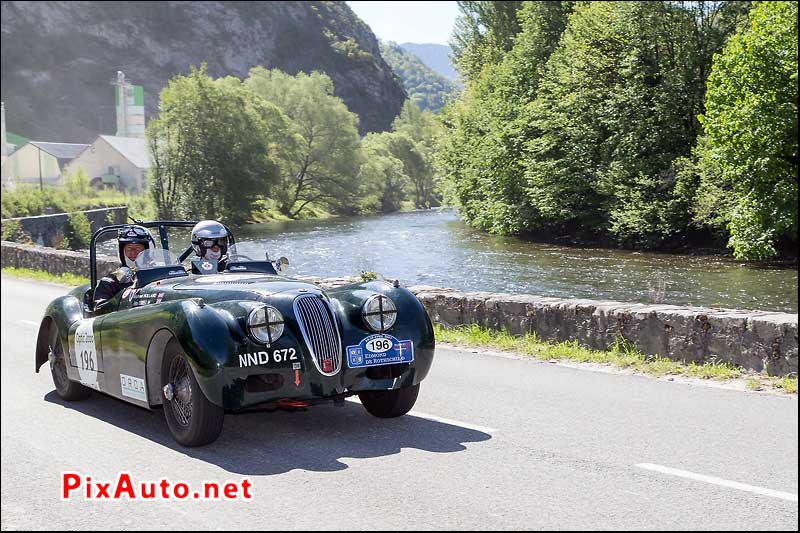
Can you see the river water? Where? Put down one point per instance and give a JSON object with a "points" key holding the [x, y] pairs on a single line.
{"points": [[435, 248]]}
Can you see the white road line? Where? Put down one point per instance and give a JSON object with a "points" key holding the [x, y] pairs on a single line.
{"points": [[719, 481], [30, 322], [448, 421]]}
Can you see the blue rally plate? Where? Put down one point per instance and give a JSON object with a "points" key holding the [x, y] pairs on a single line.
{"points": [[380, 349]]}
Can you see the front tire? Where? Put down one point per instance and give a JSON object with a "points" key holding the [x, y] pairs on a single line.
{"points": [[67, 389], [192, 419], [389, 403]]}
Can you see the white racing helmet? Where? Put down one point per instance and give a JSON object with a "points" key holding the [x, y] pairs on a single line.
{"points": [[205, 235]]}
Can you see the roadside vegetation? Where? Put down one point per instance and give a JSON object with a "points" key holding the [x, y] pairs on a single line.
{"points": [[620, 355], [75, 196], [637, 124], [70, 280]]}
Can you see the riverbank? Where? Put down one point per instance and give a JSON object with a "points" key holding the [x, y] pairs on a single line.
{"points": [[434, 247]]}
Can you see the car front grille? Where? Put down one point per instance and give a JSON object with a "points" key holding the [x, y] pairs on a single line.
{"points": [[318, 325]]}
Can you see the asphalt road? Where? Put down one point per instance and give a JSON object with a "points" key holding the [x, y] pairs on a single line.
{"points": [[492, 443]]}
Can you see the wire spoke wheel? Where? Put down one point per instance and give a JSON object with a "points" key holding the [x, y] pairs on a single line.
{"points": [[192, 419], [66, 388], [59, 365], [182, 401]]}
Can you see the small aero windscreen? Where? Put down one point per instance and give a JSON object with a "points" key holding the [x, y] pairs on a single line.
{"points": [[249, 257], [157, 263]]}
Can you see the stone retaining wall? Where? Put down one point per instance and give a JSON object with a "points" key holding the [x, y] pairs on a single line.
{"points": [[52, 260], [45, 229], [757, 340]]}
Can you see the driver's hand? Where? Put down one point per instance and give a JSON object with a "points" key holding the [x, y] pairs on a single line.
{"points": [[123, 275]]}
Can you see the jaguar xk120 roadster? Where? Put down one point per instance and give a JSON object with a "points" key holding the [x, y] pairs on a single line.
{"points": [[200, 343]]}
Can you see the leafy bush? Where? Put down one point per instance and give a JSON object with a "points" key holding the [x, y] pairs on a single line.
{"points": [[29, 201], [12, 231], [79, 231], [77, 184]]}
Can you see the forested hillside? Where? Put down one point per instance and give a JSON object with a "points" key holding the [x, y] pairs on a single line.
{"points": [[426, 88], [435, 56]]}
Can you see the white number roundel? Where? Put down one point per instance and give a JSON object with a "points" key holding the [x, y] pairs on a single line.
{"points": [[379, 345]]}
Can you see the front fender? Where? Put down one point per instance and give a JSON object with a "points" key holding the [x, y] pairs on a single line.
{"points": [[413, 323], [209, 336]]}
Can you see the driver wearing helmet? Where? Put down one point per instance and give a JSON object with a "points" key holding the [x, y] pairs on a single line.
{"points": [[210, 241], [132, 240]]}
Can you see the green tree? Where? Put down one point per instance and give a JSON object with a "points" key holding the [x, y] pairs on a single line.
{"points": [[484, 31], [482, 154], [319, 161], [615, 115], [211, 148], [750, 154], [415, 145], [382, 175], [586, 124]]}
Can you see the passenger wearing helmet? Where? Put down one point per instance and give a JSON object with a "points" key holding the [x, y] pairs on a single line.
{"points": [[132, 240], [210, 241]]}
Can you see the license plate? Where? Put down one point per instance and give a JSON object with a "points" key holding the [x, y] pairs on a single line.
{"points": [[378, 350]]}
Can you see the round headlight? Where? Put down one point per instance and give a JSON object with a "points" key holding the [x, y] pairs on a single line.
{"points": [[265, 324], [379, 313]]}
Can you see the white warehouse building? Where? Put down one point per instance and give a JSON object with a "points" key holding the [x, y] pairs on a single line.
{"points": [[121, 162]]}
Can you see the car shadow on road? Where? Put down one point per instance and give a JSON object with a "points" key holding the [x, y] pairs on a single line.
{"points": [[276, 443]]}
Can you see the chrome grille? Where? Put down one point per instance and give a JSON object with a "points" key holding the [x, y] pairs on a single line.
{"points": [[318, 325]]}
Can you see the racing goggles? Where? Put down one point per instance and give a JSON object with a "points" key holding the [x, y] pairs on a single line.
{"points": [[133, 234], [222, 242]]}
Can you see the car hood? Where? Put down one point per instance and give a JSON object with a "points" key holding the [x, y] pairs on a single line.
{"points": [[262, 284]]}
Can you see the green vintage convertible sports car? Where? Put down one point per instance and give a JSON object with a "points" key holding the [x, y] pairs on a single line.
{"points": [[200, 343]]}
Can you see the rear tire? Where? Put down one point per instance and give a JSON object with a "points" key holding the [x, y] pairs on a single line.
{"points": [[67, 389], [389, 403], [192, 419]]}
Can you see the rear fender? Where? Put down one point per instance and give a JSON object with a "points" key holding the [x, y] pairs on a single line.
{"points": [[63, 312]]}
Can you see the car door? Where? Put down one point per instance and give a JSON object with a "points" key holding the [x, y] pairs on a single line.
{"points": [[125, 334]]}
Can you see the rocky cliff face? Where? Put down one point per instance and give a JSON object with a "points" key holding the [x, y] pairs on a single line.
{"points": [[59, 58]]}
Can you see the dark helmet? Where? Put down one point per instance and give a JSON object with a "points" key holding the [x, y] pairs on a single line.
{"points": [[207, 233], [132, 233]]}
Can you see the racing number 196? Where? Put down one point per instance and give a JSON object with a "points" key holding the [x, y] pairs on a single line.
{"points": [[379, 345], [87, 360]]}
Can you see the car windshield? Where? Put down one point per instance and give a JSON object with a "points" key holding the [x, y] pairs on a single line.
{"points": [[155, 258], [247, 251]]}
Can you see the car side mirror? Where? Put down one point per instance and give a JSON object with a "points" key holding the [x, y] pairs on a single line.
{"points": [[282, 265]]}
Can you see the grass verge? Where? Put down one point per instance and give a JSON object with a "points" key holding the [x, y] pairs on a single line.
{"points": [[621, 355], [40, 275]]}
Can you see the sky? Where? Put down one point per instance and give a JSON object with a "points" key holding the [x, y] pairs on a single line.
{"points": [[408, 22]]}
